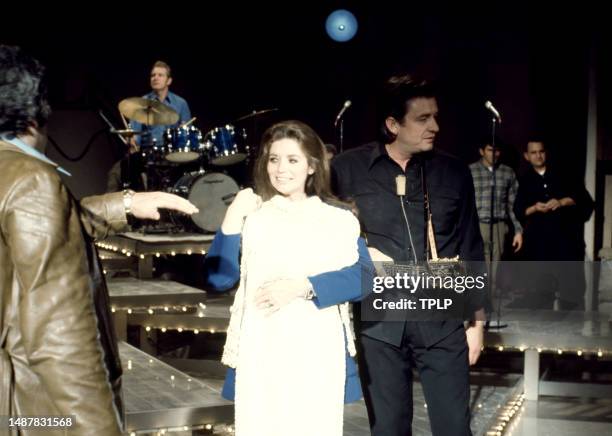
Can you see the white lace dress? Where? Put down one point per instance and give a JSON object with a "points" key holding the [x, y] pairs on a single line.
{"points": [[290, 366]]}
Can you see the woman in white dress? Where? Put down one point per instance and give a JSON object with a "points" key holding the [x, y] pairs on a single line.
{"points": [[289, 344]]}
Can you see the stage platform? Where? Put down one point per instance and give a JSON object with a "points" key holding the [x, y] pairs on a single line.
{"points": [[156, 304], [530, 332], [489, 399], [145, 247], [533, 332], [158, 397]]}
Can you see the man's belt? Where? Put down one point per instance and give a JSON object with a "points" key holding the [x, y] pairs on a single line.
{"points": [[495, 221]]}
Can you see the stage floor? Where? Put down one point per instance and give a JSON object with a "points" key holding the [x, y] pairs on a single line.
{"points": [[555, 416], [489, 394]]}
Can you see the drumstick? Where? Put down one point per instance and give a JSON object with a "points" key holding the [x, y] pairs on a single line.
{"points": [[187, 123]]}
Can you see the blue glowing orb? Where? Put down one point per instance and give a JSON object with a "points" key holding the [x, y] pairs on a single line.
{"points": [[341, 25]]}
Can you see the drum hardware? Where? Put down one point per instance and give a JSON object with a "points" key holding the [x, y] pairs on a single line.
{"points": [[126, 133], [255, 114], [123, 133], [251, 122], [125, 121]]}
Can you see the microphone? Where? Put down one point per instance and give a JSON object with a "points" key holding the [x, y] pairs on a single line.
{"points": [[400, 185], [347, 104], [494, 111]]}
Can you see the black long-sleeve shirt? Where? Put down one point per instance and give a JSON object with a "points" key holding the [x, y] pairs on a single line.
{"points": [[367, 175], [556, 235]]}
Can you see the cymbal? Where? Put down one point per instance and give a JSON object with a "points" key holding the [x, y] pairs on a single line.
{"points": [[149, 112], [255, 114], [128, 133]]}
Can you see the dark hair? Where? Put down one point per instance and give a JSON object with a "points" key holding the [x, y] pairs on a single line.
{"points": [[534, 139], [395, 97], [317, 183], [500, 144], [23, 91], [162, 64], [331, 148]]}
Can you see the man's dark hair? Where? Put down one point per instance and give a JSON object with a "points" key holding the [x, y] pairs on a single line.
{"points": [[500, 144], [395, 97], [331, 148], [534, 139], [23, 91]]}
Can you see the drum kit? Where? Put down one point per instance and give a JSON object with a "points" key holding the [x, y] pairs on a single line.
{"points": [[188, 162]]}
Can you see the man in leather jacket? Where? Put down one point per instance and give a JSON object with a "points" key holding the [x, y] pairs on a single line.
{"points": [[58, 350]]}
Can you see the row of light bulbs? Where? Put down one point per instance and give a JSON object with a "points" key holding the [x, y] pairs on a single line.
{"points": [[166, 308], [181, 330], [559, 351], [201, 306], [128, 253], [508, 415], [227, 429]]}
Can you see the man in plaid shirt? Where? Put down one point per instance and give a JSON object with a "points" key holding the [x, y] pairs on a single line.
{"points": [[506, 186]]}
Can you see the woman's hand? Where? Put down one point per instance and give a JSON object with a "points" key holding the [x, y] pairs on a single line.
{"points": [[274, 295], [246, 201]]}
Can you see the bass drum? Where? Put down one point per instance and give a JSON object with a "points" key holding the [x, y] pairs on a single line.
{"points": [[212, 193]]}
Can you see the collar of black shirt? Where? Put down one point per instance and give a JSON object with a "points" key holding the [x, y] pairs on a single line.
{"points": [[379, 152]]}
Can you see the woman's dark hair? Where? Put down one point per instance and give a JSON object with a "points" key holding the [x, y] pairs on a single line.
{"points": [[317, 183], [23, 91]]}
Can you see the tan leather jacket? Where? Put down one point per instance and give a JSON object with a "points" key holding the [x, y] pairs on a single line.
{"points": [[51, 357]]}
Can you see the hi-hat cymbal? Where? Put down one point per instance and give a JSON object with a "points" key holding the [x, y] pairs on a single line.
{"points": [[149, 112], [128, 133], [255, 114]]}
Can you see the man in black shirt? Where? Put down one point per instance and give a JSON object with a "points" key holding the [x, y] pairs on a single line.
{"points": [[442, 350], [552, 208]]}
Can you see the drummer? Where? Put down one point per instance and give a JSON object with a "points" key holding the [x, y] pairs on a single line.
{"points": [[161, 79], [129, 172]]}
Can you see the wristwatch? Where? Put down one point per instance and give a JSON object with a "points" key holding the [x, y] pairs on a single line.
{"points": [[128, 194]]}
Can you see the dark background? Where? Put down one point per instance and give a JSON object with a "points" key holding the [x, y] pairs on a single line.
{"points": [[532, 60]]}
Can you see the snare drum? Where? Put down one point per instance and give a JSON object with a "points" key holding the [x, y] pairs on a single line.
{"points": [[183, 144], [226, 145], [212, 193]]}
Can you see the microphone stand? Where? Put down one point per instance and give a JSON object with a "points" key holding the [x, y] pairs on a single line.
{"points": [[125, 180], [341, 134], [340, 119], [496, 324]]}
